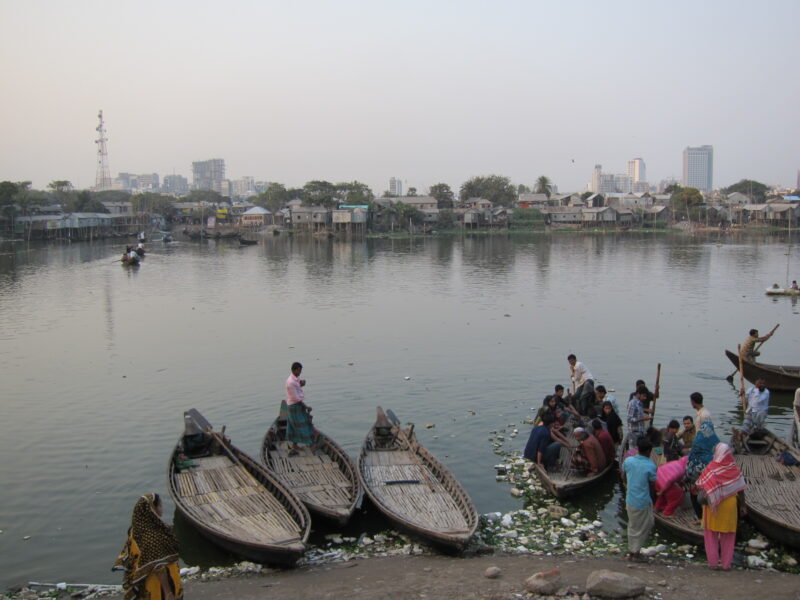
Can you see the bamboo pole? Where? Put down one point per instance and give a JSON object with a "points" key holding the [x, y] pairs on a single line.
{"points": [[656, 393], [741, 379]]}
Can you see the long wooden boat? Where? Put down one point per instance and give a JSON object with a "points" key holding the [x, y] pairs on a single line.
{"points": [[684, 523], [562, 480], [233, 500], [325, 480], [246, 242], [128, 261], [777, 377], [773, 489], [412, 488]]}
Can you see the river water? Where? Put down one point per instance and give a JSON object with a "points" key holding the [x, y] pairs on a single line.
{"points": [[100, 361]]}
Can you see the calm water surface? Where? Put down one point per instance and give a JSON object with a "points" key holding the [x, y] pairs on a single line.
{"points": [[99, 362]]}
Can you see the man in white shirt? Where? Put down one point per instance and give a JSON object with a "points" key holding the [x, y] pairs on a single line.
{"points": [[757, 407], [583, 381]]}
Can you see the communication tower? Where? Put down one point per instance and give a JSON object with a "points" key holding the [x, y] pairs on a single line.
{"points": [[103, 178]]}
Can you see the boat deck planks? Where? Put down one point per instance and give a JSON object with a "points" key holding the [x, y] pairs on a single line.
{"points": [[772, 487], [314, 478], [225, 496]]}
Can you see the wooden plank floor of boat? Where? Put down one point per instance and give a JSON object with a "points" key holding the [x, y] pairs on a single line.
{"points": [[772, 488], [314, 477], [397, 479], [224, 496]]}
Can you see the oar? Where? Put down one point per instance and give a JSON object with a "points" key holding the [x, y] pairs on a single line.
{"points": [[656, 393], [741, 378], [402, 435]]}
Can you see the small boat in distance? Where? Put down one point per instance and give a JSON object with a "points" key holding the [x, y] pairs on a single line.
{"points": [[246, 242], [324, 480], [233, 500], [779, 291], [412, 488], [777, 377]]}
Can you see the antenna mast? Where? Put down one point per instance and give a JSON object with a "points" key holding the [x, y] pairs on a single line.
{"points": [[103, 178]]}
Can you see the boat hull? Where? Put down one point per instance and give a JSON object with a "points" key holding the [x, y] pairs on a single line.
{"points": [[776, 377]]}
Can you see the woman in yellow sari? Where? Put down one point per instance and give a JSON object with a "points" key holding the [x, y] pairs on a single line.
{"points": [[150, 556]]}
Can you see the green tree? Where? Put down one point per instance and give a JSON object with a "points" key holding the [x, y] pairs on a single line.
{"points": [[151, 203], [523, 189], [544, 186], [446, 219], [273, 198], [84, 201], [443, 195], [412, 191], [354, 192], [685, 200], [756, 190], [495, 188], [408, 214], [527, 218], [319, 193]]}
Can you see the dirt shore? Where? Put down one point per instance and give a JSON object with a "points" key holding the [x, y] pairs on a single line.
{"points": [[433, 576]]}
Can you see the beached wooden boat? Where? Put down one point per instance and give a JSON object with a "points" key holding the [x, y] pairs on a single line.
{"points": [[562, 480], [412, 488], [233, 500], [777, 377], [246, 242], [683, 524], [773, 489], [326, 480]]}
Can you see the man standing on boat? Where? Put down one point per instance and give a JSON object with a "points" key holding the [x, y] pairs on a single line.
{"points": [[298, 426], [748, 348], [636, 418], [583, 381], [757, 407]]}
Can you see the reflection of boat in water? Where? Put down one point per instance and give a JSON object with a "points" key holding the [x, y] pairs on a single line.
{"points": [[773, 489], [777, 377]]}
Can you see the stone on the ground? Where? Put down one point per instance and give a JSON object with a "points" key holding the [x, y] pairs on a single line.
{"points": [[544, 583], [653, 550], [611, 584], [756, 562], [492, 573], [557, 511]]}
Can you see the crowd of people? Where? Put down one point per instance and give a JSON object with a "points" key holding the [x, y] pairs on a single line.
{"points": [[659, 468]]}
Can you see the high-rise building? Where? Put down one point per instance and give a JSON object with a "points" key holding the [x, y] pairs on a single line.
{"points": [[597, 173], [208, 174], [395, 186], [636, 170], [623, 183], [244, 187], [698, 167], [177, 185]]}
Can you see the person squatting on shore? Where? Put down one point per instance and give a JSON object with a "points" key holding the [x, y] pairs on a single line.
{"points": [[150, 555]]}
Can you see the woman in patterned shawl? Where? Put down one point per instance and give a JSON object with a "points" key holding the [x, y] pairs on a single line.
{"points": [[150, 556], [699, 456]]}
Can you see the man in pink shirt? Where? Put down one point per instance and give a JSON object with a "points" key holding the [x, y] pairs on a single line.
{"points": [[298, 423]]}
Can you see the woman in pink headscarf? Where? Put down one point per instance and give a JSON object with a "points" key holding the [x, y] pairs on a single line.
{"points": [[723, 486]]}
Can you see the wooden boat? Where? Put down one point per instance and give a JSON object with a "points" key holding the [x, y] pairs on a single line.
{"points": [[777, 291], [412, 488], [777, 377], [562, 480], [326, 481], [773, 489], [128, 261], [682, 524], [246, 242], [233, 500]]}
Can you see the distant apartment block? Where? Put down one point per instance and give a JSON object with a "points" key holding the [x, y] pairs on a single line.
{"points": [[176, 185], [244, 187], [698, 167], [130, 182], [209, 175], [395, 186], [637, 170]]}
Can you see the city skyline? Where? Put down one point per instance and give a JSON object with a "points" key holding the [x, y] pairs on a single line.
{"points": [[328, 91]]}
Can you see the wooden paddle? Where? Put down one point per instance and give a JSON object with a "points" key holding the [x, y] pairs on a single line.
{"points": [[741, 378], [402, 435], [656, 393]]}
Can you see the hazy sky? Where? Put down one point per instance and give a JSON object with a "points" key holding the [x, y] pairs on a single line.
{"points": [[426, 91]]}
